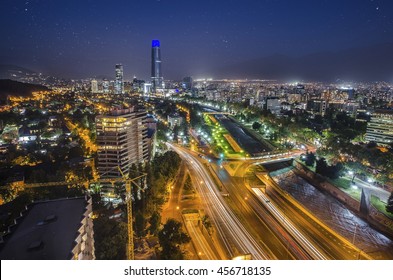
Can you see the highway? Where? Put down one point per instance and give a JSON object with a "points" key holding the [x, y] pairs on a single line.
{"points": [[327, 240], [258, 219], [319, 237], [288, 225], [282, 236], [236, 239], [259, 222]]}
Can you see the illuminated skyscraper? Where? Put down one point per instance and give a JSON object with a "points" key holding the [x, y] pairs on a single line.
{"points": [[94, 86], [122, 141], [156, 74], [119, 86], [105, 86]]}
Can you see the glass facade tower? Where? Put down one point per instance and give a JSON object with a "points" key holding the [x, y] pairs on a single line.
{"points": [[119, 86], [156, 74]]}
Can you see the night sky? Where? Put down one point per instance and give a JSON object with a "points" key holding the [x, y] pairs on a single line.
{"points": [[87, 38]]}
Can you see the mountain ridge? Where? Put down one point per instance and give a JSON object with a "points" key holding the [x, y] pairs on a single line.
{"points": [[15, 88]]}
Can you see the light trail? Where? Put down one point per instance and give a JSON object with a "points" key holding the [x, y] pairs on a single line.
{"points": [[288, 225], [228, 225]]}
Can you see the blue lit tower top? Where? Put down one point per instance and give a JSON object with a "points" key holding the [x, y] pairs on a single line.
{"points": [[156, 74], [155, 43]]}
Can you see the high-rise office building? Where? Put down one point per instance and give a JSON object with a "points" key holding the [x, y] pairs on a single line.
{"points": [[122, 141], [187, 83], [156, 74], [105, 86], [317, 106], [119, 85], [94, 86], [380, 127]]}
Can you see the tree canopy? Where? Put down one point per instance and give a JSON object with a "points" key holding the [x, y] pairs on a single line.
{"points": [[110, 237], [171, 236]]}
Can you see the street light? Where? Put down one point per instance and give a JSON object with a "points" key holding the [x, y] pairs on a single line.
{"points": [[177, 208], [353, 174]]}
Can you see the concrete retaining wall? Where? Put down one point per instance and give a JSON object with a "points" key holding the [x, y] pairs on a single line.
{"points": [[375, 218], [380, 221], [320, 183]]}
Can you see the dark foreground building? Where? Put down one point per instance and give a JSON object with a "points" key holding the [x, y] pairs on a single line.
{"points": [[59, 229]]}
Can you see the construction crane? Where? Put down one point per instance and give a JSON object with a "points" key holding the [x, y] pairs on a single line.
{"points": [[128, 184]]}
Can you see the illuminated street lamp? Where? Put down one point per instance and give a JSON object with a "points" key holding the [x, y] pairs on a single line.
{"points": [[353, 174], [177, 208]]}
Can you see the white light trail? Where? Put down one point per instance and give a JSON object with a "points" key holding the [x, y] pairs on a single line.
{"points": [[288, 225], [227, 223]]}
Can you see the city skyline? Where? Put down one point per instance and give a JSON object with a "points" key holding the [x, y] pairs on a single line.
{"points": [[261, 130], [199, 40], [232, 157]]}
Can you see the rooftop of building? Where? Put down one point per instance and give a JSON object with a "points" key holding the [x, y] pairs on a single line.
{"points": [[384, 111], [47, 231], [121, 111], [174, 115], [114, 112]]}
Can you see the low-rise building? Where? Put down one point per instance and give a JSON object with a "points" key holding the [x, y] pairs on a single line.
{"points": [[380, 127], [175, 119]]}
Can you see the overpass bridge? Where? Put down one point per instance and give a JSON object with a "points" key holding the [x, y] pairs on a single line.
{"points": [[239, 167], [217, 113]]}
